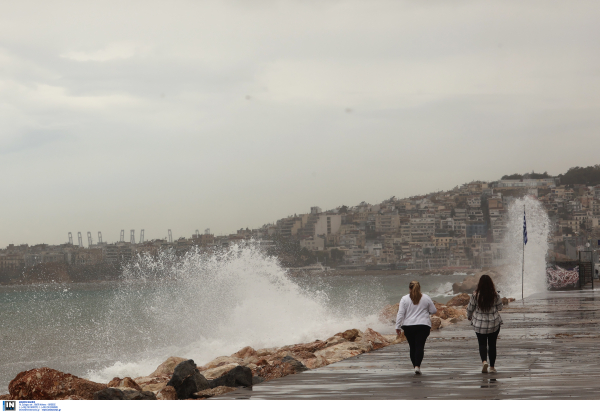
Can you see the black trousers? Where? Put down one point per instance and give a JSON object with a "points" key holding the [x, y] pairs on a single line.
{"points": [[487, 340], [416, 335]]}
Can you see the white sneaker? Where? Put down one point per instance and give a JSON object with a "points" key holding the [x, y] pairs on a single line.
{"points": [[417, 370], [485, 367], [492, 369]]}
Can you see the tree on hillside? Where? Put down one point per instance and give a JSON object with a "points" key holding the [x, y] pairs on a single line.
{"points": [[337, 255], [532, 175], [515, 176], [589, 176]]}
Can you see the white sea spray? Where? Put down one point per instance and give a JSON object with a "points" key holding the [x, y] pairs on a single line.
{"points": [[202, 305], [538, 232]]}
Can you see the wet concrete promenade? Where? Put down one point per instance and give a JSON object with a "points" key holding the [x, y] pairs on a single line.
{"points": [[549, 348]]}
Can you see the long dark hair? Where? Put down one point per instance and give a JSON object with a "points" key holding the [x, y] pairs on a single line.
{"points": [[485, 293]]}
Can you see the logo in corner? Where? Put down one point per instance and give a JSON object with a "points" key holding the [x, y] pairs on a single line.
{"points": [[9, 405]]}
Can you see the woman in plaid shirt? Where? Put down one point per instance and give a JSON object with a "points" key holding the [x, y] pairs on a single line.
{"points": [[483, 313]]}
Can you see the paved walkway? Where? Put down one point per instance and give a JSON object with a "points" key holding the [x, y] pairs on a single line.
{"points": [[549, 348]]}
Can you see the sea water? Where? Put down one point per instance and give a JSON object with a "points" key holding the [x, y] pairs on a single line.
{"points": [[196, 306]]}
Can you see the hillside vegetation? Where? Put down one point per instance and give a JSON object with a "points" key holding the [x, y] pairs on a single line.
{"points": [[589, 176]]}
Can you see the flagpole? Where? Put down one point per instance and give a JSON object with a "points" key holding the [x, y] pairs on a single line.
{"points": [[523, 260]]}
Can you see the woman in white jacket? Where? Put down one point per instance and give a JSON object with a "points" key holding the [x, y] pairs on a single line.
{"points": [[413, 318]]}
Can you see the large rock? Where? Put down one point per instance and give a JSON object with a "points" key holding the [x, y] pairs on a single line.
{"points": [[446, 312], [168, 393], [459, 300], [334, 340], [126, 382], [266, 352], [238, 376], [275, 370], [469, 284], [167, 367], [296, 364], [249, 361], [350, 335], [388, 314], [49, 384], [395, 339], [209, 393], [187, 380], [316, 362], [436, 323], [152, 383], [302, 355], [344, 350], [306, 347], [244, 353], [280, 354], [218, 371], [125, 394], [376, 339], [220, 361]]}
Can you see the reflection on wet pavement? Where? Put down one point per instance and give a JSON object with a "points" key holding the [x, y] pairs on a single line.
{"points": [[548, 349]]}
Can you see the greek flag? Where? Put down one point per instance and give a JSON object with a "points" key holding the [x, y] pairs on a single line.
{"points": [[524, 229]]}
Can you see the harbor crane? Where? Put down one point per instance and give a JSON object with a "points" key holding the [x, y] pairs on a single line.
{"points": [[122, 238], [142, 236], [132, 236], [70, 238], [99, 237], [89, 239], [80, 239]]}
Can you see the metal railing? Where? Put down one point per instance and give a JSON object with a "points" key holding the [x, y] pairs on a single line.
{"points": [[586, 269]]}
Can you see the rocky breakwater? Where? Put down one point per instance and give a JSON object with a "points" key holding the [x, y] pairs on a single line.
{"points": [[469, 283], [180, 378], [447, 314]]}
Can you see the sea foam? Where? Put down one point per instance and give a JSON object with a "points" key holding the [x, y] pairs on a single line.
{"points": [[202, 305]]}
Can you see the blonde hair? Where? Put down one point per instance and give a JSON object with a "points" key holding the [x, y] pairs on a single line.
{"points": [[415, 292]]}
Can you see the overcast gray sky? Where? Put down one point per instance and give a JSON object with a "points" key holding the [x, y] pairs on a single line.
{"points": [[188, 115]]}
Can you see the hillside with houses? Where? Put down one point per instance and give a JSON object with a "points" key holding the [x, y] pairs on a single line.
{"points": [[458, 229]]}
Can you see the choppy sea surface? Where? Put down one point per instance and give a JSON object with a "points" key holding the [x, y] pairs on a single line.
{"points": [[194, 306]]}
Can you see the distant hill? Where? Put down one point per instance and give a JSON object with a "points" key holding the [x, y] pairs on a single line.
{"points": [[532, 175], [589, 176]]}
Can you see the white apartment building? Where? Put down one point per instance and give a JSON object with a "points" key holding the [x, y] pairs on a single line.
{"points": [[421, 229], [387, 222], [328, 225]]}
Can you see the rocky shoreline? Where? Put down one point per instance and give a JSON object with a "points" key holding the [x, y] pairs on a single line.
{"points": [[179, 378]]}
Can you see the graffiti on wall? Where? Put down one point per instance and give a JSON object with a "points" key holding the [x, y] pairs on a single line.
{"points": [[559, 278]]}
